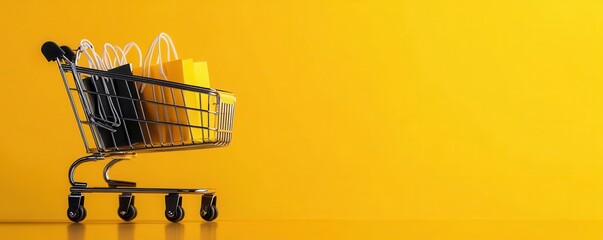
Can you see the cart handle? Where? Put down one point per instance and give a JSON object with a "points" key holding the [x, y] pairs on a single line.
{"points": [[69, 54], [52, 51]]}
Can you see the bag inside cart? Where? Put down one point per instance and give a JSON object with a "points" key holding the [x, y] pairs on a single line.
{"points": [[129, 132], [184, 115], [203, 102], [180, 116], [192, 73]]}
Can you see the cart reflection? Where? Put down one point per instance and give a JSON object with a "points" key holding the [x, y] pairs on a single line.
{"points": [[127, 230]]}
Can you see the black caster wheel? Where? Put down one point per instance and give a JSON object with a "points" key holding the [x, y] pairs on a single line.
{"points": [[78, 215], [210, 213], [176, 216], [128, 215]]}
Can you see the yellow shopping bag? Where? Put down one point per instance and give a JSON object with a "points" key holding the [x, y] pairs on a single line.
{"points": [[205, 103], [196, 74], [187, 72], [152, 109], [181, 113], [167, 105]]}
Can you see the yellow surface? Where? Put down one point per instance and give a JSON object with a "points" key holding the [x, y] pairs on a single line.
{"points": [[315, 229], [346, 109]]}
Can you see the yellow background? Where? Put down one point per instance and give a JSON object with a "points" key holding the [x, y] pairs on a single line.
{"points": [[346, 109]]}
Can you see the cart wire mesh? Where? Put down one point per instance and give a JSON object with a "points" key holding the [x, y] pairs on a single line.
{"points": [[124, 112]]}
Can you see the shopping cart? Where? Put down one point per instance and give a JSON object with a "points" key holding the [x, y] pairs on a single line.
{"points": [[110, 114]]}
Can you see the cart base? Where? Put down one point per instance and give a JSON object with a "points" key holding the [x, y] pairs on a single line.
{"points": [[126, 211]]}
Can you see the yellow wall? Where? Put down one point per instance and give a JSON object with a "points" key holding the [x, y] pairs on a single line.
{"points": [[347, 109]]}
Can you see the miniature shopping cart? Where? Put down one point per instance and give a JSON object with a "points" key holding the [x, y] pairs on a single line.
{"points": [[119, 114]]}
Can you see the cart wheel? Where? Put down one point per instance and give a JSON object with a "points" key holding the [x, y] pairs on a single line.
{"points": [[77, 216], [175, 216], [129, 215], [210, 214]]}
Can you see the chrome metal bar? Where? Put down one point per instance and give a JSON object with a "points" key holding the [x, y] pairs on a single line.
{"points": [[170, 123], [112, 182], [149, 81], [85, 105], [204, 145], [76, 163], [146, 101], [142, 190], [157, 115], [167, 117], [77, 116], [209, 116], [188, 122], [177, 117], [200, 96], [142, 113]]}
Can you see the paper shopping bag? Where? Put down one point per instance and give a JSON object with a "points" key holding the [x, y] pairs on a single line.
{"points": [[130, 131], [196, 114], [181, 71], [152, 109], [205, 117], [177, 118], [203, 102]]}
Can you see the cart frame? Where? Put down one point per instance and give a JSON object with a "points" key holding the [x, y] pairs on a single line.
{"points": [[216, 131]]}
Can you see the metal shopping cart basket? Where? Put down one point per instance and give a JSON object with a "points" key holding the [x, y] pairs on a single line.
{"points": [[116, 121]]}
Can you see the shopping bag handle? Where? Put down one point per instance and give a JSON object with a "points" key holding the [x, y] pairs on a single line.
{"points": [[146, 70]]}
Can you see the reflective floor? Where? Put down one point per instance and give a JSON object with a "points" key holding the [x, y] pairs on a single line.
{"points": [[419, 229]]}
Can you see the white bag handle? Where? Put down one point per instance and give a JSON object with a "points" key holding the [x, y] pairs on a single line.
{"points": [[127, 49], [94, 60], [149, 57], [119, 54], [107, 58], [157, 42]]}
